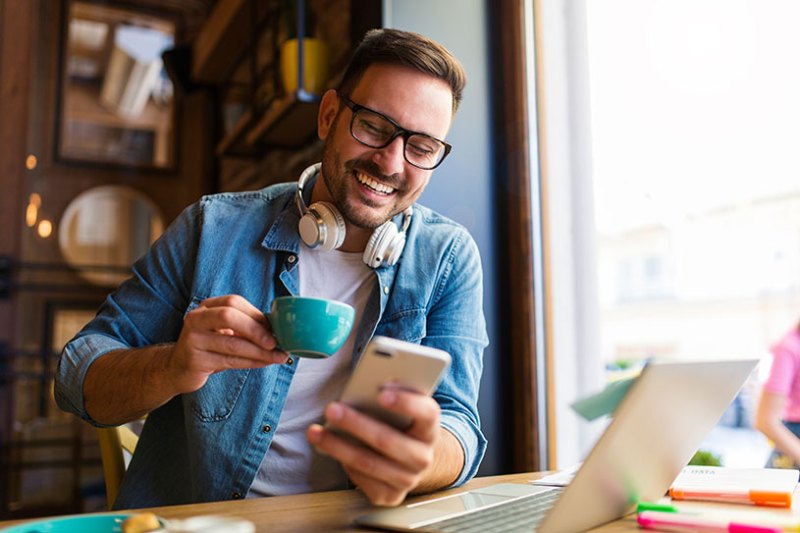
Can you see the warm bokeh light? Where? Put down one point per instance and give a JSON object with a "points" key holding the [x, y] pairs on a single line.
{"points": [[31, 214], [45, 228], [31, 162], [35, 199]]}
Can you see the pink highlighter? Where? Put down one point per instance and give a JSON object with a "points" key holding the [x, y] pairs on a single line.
{"points": [[672, 521]]}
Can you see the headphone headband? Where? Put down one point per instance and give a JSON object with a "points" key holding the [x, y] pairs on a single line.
{"points": [[307, 174], [322, 224]]}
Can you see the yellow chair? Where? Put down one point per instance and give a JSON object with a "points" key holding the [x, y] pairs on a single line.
{"points": [[112, 443]]}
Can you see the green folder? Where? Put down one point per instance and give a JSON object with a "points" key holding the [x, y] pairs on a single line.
{"points": [[605, 401]]}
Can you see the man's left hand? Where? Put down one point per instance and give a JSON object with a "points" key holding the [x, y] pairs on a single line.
{"points": [[393, 462]]}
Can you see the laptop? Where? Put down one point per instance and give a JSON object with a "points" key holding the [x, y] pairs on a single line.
{"points": [[656, 429]]}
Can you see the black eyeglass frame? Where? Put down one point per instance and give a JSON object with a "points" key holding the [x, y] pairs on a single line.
{"points": [[399, 132]]}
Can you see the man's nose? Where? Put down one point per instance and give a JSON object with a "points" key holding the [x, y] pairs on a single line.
{"points": [[390, 157]]}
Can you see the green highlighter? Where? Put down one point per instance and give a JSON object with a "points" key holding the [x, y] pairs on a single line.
{"points": [[650, 506]]}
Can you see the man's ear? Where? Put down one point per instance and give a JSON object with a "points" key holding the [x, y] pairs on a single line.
{"points": [[328, 108]]}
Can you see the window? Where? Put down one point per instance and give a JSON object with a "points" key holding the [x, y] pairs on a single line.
{"points": [[672, 136]]}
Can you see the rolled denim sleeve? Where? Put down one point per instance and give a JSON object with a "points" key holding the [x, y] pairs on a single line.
{"points": [[456, 324], [76, 358], [473, 443], [144, 310]]}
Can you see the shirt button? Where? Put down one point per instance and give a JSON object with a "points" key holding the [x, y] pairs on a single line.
{"points": [[291, 259], [289, 361], [386, 290], [267, 428], [236, 496]]}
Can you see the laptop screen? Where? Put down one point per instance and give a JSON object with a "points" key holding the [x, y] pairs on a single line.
{"points": [[655, 430]]}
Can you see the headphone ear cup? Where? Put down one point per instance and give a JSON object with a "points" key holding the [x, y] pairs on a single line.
{"points": [[309, 229], [322, 224], [396, 248], [385, 245], [373, 252], [333, 222]]}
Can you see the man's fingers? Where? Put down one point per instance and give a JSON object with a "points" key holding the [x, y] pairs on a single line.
{"points": [[392, 443], [239, 348], [369, 466], [231, 321], [423, 410], [200, 354], [237, 302], [378, 492], [231, 362], [225, 332]]}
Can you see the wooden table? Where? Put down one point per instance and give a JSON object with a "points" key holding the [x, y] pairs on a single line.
{"points": [[323, 511]]}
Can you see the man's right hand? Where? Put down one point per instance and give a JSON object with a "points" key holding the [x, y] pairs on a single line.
{"points": [[222, 333]]}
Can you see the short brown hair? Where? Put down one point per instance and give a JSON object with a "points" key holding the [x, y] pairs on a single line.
{"points": [[407, 49]]}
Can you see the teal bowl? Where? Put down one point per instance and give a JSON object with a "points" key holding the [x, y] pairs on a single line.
{"points": [[107, 523], [310, 327]]}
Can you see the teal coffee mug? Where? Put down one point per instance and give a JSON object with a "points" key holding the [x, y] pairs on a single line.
{"points": [[310, 327]]}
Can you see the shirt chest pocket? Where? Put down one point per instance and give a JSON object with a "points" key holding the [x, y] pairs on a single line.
{"points": [[215, 400], [405, 325]]}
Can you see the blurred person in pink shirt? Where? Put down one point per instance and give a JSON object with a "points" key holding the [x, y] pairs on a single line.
{"points": [[778, 414]]}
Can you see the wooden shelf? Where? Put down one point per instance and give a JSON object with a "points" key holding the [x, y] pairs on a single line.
{"points": [[238, 48], [232, 142], [225, 37], [288, 121]]}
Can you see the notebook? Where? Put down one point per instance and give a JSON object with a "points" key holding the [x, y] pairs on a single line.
{"points": [[656, 429], [771, 487]]}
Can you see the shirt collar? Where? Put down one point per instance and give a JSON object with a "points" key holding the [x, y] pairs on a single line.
{"points": [[282, 234]]}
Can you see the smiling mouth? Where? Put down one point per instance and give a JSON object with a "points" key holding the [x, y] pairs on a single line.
{"points": [[373, 184]]}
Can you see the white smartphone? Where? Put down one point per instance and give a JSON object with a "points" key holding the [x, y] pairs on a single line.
{"points": [[390, 362]]}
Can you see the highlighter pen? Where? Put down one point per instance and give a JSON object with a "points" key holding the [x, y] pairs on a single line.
{"points": [[653, 506], [669, 521], [782, 522], [757, 497]]}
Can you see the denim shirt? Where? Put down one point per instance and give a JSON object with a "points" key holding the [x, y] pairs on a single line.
{"points": [[207, 445]]}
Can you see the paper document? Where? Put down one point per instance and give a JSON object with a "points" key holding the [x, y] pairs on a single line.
{"points": [[562, 478], [759, 486]]}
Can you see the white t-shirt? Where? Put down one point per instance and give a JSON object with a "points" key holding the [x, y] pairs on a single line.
{"points": [[292, 465]]}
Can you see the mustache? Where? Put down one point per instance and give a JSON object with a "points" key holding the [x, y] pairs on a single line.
{"points": [[369, 167]]}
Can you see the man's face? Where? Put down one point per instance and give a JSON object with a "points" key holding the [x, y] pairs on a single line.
{"points": [[371, 185]]}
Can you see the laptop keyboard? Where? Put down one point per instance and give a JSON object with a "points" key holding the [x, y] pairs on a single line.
{"points": [[522, 514]]}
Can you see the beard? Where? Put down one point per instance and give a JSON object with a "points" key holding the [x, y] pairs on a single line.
{"points": [[340, 177]]}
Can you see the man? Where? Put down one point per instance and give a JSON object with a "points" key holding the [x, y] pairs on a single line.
{"points": [[186, 341]]}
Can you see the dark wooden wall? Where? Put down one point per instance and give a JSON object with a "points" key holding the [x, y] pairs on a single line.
{"points": [[30, 41]]}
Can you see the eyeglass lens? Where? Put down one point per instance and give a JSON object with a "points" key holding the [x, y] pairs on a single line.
{"points": [[375, 131]]}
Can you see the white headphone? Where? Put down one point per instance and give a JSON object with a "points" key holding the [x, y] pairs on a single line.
{"points": [[321, 224]]}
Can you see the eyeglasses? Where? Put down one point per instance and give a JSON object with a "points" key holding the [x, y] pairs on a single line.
{"points": [[372, 129]]}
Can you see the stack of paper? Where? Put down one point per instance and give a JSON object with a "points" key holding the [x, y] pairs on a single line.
{"points": [[758, 486]]}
